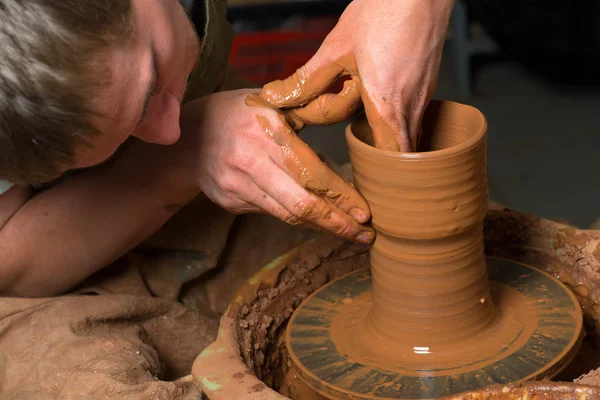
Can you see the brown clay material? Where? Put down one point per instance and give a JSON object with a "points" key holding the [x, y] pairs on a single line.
{"points": [[430, 287], [235, 366]]}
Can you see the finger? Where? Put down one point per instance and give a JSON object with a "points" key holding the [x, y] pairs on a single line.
{"points": [[301, 163], [306, 208], [390, 128], [269, 205], [418, 136], [329, 108], [317, 177], [306, 84]]}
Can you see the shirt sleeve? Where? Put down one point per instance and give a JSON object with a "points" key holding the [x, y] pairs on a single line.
{"points": [[4, 186]]}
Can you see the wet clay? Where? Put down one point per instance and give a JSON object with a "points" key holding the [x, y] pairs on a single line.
{"points": [[430, 286], [303, 93]]}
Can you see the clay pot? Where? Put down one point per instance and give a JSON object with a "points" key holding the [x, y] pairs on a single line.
{"points": [[427, 209]]}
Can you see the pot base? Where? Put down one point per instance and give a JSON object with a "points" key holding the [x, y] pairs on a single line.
{"points": [[539, 336]]}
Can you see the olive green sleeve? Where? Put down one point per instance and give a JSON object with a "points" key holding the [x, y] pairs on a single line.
{"points": [[212, 65]]}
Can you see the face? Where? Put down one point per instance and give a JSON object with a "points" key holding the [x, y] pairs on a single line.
{"points": [[148, 80]]}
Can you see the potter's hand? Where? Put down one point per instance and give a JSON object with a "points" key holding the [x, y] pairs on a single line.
{"points": [[392, 50], [248, 159]]}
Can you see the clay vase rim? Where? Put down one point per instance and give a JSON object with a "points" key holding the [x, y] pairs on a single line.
{"points": [[471, 142]]}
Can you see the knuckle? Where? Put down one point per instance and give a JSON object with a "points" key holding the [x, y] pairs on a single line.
{"points": [[290, 219], [228, 187], [229, 204], [244, 164], [227, 184], [345, 229], [304, 208]]}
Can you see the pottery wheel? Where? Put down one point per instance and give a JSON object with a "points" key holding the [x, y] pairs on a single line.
{"points": [[537, 343]]}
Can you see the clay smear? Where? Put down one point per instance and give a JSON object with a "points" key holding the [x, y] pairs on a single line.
{"points": [[303, 93], [302, 163], [430, 287]]}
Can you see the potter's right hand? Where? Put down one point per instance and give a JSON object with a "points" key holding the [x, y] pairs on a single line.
{"points": [[249, 159], [391, 50]]}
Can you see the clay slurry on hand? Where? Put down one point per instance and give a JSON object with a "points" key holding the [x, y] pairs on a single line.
{"points": [[305, 167], [303, 92]]}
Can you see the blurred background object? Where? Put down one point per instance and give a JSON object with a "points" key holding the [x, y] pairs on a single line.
{"points": [[531, 67]]}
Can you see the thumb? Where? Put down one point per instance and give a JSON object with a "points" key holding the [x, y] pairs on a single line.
{"points": [[308, 82]]}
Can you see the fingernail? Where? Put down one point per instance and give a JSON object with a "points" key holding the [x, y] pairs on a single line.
{"points": [[365, 237], [359, 215]]}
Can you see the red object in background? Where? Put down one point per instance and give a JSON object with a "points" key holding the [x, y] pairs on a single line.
{"points": [[266, 56]]}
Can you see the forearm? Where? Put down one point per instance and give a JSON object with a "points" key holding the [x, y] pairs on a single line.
{"points": [[63, 235]]}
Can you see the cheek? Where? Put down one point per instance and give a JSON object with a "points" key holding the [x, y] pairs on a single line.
{"points": [[102, 149], [161, 124]]}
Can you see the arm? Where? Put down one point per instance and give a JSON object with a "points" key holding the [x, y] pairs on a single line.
{"points": [[65, 234], [246, 159]]}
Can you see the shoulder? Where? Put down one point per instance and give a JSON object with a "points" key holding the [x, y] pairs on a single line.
{"points": [[12, 197]]}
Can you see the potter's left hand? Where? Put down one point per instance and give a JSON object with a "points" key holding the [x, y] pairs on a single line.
{"points": [[248, 159], [392, 50]]}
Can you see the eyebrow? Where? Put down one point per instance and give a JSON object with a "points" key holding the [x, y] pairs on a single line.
{"points": [[151, 86]]}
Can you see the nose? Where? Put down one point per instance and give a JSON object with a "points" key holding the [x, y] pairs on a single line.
{"points": [[161, 124]]}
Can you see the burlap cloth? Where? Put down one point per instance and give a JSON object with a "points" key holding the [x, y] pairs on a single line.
{"points": [[133, 329]]}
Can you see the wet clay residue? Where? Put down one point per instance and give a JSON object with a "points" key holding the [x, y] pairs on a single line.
{"points": [[303, 96], [302, 163]]}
